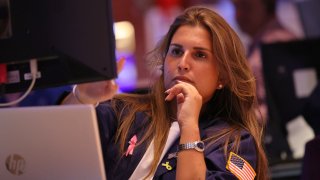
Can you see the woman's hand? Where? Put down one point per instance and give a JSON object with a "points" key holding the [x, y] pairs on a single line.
{"points": [[91, 93], [189, 103], [94, 92]]}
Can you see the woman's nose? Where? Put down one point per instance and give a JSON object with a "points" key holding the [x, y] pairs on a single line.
{"points": [[184, 63]]}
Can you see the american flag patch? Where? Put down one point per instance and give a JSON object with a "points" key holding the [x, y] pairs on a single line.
{"points": [[240, 167]]}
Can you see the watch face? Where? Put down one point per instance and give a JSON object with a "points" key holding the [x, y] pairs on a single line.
{"points": [[200, 146]]}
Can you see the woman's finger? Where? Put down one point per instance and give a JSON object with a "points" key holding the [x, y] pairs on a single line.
{"points": [[120, 64]]}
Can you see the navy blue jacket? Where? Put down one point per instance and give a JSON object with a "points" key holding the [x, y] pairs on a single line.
{"points": [[121, 167]]}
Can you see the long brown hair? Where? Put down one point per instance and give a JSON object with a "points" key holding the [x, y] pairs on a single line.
{"points": [[236, 101]]}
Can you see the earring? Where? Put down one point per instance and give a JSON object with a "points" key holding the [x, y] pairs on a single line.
{"points": [[220, 86]]}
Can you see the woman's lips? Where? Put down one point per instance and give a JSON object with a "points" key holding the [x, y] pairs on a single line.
{"points": [[183, 79]]}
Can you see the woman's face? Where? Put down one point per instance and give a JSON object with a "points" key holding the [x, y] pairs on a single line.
{"points": [[190, 59]]}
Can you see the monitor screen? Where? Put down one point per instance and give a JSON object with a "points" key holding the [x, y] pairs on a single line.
{"points": [[72, 41], [291, 73]]}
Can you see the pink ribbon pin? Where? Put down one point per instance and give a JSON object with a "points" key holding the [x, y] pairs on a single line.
{"points": [[132, 145]]}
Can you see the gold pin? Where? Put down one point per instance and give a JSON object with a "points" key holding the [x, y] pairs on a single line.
{"points": [[167, 165]]}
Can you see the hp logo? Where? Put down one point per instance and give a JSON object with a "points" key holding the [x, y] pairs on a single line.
{"points": [[15, 164]]}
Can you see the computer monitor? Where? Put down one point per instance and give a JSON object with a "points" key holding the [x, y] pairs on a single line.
{"points": [[72, 40], [291, 75]]}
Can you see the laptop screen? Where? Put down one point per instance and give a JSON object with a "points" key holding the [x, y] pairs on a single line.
{"points": [[51, 142]]}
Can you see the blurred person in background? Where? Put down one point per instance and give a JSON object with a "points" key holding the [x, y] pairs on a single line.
{"points": [[258, 19]]}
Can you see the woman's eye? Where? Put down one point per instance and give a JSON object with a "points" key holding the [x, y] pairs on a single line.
{"points": [[176, 52], [200, 55]]}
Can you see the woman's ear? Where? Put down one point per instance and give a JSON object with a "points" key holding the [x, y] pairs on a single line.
{"points": [[221, 83]]}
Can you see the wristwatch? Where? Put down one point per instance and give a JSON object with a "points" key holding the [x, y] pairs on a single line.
{"points": [[197, 145]]}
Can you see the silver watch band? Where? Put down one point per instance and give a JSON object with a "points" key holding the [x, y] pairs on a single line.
{"points": [[197, 145]]}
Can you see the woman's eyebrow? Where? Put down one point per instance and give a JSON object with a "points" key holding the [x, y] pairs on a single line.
{"points": [[202, 48], [176, 45], [196, 48]]}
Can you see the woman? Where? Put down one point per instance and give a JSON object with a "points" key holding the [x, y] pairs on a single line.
{"points": [[198, 120]]}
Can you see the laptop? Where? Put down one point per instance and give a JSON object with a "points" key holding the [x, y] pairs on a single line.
{"points": [[50, 142]]}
